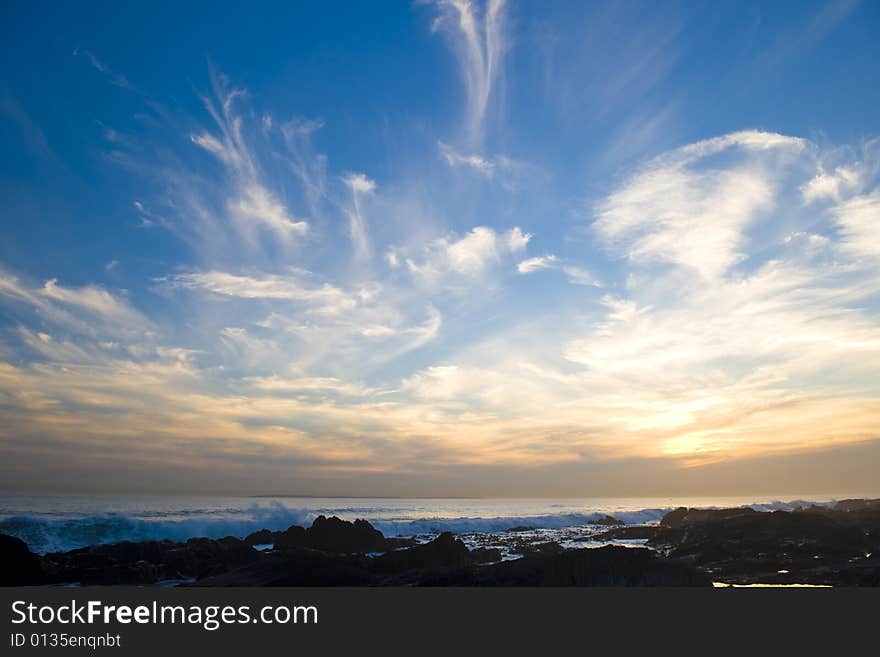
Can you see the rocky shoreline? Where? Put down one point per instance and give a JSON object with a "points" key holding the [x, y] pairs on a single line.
{"points": [[835, 545]]}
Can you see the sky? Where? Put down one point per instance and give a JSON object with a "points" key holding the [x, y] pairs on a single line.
{"points": [[440, 248]]}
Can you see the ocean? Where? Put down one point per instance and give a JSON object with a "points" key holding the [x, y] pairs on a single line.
{"points": [[55, 523]]}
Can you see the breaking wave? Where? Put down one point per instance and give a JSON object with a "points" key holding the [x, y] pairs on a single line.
{"points": [[57, 534], [61, 534]]}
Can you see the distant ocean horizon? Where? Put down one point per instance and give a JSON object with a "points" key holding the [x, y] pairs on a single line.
{"points": [[61, 522]]}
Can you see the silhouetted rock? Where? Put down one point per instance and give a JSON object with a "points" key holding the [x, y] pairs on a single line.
{"points": [[335, 535], [297, 567], [293, 536], [625, 532], [485, 555], [548, 548], [18, 565], [857, 505], [262, 537], [608, 521], [605, 566], [148, 562], [674, 518], [397, 543], [445, 551], [684, 516], [817, 546]]}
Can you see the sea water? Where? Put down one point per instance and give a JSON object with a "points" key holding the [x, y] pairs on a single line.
{"points": [[53, 523]]}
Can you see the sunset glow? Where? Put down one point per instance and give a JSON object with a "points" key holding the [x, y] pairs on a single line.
{"points": [[512, 254]]}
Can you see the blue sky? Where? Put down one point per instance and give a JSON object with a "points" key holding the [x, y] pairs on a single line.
{"points": [[440, 248]]}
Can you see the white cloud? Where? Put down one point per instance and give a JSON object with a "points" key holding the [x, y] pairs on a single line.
{"points": [[506, 171], [84, 309], [359, 185], [858, 220], [211, 144], [377, 331], [683, 210], [250, 204], [476, 162], [471, 255], [324, 298], [576, 275], [478, 41], [255, 205], [517, 240], [319, 385], [537, 263], [358, 182], [830, 185], [95, 300]]}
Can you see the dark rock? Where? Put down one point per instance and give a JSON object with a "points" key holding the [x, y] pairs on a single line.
{"points": [[148, 562], [230, 542], [684, 516], [206, 557], [297, 567], [608, 521], [485, 555], [18, 565], [399, 543], [520, 528], [445, 551], [857, 505], [262, 537], [548, 548], [139, 573], [293, 536], [605, 566], [817, 546], [333, 535], [674, 518], [625, 532]]}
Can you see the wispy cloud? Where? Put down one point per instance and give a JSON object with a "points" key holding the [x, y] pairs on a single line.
{"points": [[832, 185], [478, 39], [293, 286], [576, 275], [537, 263], [737, 315], [74, 307], [858, 219], [680, 210], [476, 162], [114, 78], [506, 171], [252, 205], [360, 186]]}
